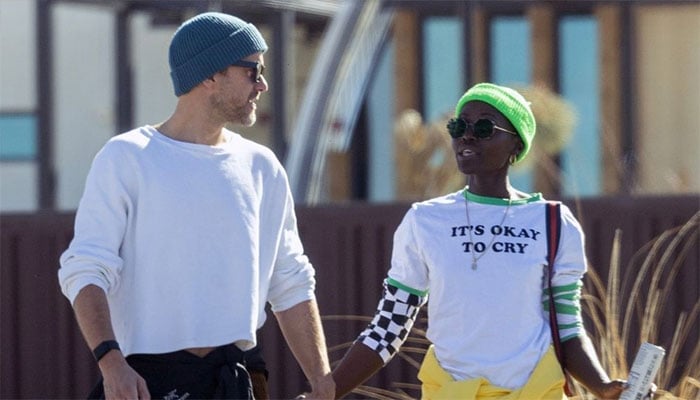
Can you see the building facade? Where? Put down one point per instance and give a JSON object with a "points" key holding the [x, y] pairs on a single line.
{"points": [[74, 73]]}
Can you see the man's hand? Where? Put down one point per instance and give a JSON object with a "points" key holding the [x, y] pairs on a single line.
{"points": [[301, 327], [323, 388], [120, 380]]}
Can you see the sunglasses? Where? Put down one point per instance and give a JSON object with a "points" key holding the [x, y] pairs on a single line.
{"points": [[483, 128], [257, 68]]}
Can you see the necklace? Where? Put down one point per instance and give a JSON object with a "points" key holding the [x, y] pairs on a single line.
{"points": [[475, 259]]}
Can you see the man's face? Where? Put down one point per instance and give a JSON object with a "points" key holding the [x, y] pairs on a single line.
{"points": [[237, 91]]}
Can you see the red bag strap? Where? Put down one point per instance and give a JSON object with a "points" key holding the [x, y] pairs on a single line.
{"points": [[553, 222]]}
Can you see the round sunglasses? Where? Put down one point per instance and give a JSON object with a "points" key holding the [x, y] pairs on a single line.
{"points": [[482, 128], [257, 68]]}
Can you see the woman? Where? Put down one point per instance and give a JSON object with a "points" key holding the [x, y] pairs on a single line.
{"points": [[480, 254]]}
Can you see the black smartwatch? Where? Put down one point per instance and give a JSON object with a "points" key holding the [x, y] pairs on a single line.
{"points": [[103, 348]]}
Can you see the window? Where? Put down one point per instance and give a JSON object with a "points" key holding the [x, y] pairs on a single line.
{"points": [[18, 137], [578, 77], [442, 63], [510, 66]]}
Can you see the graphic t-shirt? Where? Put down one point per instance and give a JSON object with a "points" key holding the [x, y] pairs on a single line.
{"points": [[490, 321]]}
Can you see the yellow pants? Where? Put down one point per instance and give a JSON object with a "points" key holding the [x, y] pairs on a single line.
{"points": [[546, 382]]}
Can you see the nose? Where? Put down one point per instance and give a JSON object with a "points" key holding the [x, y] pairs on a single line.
{"points": [[468, 134], [262, 86]]}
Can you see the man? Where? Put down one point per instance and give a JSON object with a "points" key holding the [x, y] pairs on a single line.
{"points": [[186, 230]]}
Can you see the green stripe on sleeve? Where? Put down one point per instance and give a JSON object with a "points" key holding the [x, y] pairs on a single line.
{"points": [[561, 308], [392, 282], [569, 326], [566, 309], [574, 287]]}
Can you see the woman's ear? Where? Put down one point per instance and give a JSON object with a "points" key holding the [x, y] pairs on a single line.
{"points": [[519, 146]]}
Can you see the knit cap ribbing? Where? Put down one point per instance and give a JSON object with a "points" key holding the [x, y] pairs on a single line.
{"points": [[508, 102], [208, 43]]}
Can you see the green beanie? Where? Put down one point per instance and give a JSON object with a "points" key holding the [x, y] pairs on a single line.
{"points": [[509, 103]]}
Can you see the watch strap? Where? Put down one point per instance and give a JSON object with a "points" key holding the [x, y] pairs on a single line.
{"points": [[103, 348]]}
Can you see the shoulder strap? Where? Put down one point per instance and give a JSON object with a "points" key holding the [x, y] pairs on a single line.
{"points": [[553, 222]]}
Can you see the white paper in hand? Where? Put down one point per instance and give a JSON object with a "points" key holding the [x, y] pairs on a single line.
{"points": [[646, 365]]}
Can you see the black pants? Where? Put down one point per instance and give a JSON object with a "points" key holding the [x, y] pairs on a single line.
{"points": [[221, 374]]}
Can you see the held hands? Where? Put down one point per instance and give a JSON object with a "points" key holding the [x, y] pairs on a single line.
{"points": [[323, 388]]}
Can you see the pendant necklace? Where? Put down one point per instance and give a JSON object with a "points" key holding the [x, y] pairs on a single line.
{"points": [[475, 259]]}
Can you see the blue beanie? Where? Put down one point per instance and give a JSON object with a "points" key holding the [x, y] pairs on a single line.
{"points": [[208, 43]]}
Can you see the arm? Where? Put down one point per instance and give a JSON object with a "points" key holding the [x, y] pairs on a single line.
{"points": [[377, 345], [358, 365], [579, 355], [302, 329], [92, 312], [583, 364]]}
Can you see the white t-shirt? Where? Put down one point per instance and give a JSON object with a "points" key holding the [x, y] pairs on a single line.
{"points": [[486, 322], [188, 241]]}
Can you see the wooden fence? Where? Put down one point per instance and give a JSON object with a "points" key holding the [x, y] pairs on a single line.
{"points": [[43, 355]]}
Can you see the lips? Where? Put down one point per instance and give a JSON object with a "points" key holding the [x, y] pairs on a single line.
{"points": [[466, 152]]}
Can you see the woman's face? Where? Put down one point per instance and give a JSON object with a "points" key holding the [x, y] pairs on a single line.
{"points": [[485, 156]]}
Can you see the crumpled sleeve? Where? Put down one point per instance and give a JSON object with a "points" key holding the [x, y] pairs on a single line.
{"points": [[93, 255], [293, 278], [567, 283]]}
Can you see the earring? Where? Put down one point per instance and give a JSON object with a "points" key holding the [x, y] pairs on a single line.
{"points": [[512, 159]]}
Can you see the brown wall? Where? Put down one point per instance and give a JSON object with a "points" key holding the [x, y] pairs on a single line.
{"points": [[44, 356]]}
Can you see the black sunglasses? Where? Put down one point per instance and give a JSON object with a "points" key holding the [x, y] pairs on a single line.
{"points": [[483, 128], [257, 68]]}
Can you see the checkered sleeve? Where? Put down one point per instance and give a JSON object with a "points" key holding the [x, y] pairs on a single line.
{"points": [[396, 313]]}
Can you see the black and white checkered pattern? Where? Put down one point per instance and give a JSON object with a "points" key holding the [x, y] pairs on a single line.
{"points": [[396, 313]]}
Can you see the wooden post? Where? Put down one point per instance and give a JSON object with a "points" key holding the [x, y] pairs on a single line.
{"points": [[611, 130], [479, 57], [544, 45], [407, 63]]}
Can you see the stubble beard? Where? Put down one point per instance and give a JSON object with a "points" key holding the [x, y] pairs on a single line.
{"points": [[248, 119], [240, 115]]}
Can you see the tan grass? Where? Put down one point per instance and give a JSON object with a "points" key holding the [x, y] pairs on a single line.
{"points": [[650, 290]]}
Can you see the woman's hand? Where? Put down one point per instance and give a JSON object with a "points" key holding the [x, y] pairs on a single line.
{"points": [[609, 390], [614, 389]]}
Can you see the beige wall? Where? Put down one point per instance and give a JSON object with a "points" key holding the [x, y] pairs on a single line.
{"points": [[668, 103]]}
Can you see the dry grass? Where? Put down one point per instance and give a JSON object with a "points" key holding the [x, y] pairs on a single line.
{"points": [[623, 314], [620, 325]]}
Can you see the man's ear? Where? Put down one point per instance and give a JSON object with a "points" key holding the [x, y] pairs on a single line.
{"points": [[209, 82]]}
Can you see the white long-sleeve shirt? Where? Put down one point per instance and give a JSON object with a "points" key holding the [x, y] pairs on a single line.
{"points": [[188, 241]]}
